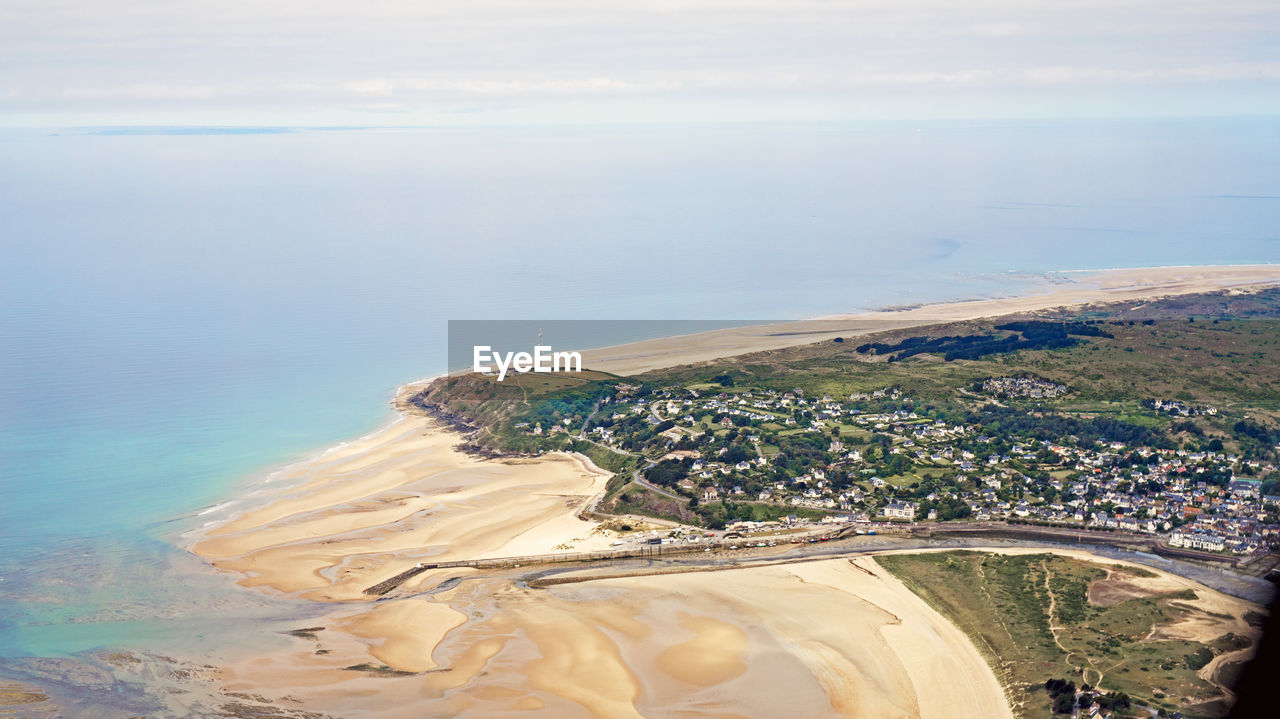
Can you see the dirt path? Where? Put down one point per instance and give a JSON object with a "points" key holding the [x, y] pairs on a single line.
{"points": [[1054, 629], [990, 650]]}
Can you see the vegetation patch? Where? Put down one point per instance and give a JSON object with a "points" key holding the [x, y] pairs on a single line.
{"points": [[378, 669], [1031, 617], [1026, 335], [305, 632]]}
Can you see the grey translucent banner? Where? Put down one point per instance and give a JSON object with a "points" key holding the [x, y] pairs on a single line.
{"points": [[501, 337]]}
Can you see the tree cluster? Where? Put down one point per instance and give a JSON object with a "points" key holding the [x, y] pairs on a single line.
{"points": [[1028, 335], [1062, 694]]}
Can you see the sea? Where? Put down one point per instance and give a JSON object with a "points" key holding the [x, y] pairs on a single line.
{"points": [[184, 310]]}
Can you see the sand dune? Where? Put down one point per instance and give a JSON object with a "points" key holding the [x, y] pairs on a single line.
{"points": [[1218, 613]]}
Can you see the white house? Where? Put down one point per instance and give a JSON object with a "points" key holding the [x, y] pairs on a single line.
{"points": [[904, 510]]}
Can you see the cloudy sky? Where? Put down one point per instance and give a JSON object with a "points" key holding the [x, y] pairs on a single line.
{"points": [[391, 62]]}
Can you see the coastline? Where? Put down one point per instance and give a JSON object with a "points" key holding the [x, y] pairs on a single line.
{"points": [[255, 490], [845, 636], [1092, 287], [406, 495], [326, 527]]}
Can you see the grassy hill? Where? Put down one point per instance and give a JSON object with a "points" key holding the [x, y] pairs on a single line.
{"points": [[1220, 348], [1041, 616], [1213, 358]]}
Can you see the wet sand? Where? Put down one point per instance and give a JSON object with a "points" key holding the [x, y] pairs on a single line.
{"points": [[352, 517], [821, 639], [827, 638], [406, 632]]}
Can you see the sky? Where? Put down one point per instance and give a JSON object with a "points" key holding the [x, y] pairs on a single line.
{"points": [[431, 62]]}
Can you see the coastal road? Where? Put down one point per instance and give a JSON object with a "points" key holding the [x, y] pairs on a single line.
{"points": [[587, 422], [1221, 580], [1246, 587], [640, 480], [636, 475]]}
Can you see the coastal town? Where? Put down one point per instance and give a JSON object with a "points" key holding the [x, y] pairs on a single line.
{"points": [[752, 457]]}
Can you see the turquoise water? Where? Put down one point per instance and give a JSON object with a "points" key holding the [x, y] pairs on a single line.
{"points": [[183, 311]]}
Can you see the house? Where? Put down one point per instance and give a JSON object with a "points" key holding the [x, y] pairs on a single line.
{"points": [[1196, 540], [903, 510]]}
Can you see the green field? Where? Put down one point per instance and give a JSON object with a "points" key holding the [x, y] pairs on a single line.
{"points": [[1239, 360], [1031, 618]]}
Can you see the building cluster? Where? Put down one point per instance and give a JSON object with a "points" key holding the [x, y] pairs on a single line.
{"points": [[860, 457], [1023, 387], [1171, 495], [1176, 408]]}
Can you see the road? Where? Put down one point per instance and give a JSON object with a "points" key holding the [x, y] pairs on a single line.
{"points": [[637, 475], [587, 422], [639, 479]]}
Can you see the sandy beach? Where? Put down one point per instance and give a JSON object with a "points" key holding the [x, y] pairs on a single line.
{"points": [[841, 641], [690, 645], [827, 638], [352, 517], [844, 639], [1067, 290], [824, 639]]}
